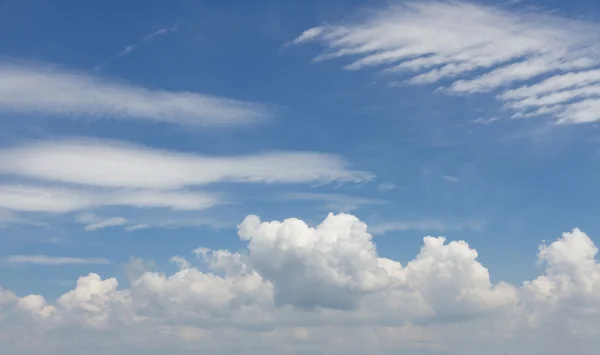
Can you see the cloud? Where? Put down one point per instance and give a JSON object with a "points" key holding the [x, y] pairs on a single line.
{"points": [[424, 225], [334, 201], [52, 260], [485, 121], [51, 91], [131, 47], [386, 186], [476, 48], [94, 222], [149, 37], [449, 178], [28, 198], [119, 164], [298, 289]]}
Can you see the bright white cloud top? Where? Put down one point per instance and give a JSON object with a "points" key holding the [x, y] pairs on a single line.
{"points": [[46, 90], [302, 288], [540, 63]]}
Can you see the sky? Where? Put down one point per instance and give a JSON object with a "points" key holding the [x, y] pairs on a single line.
{"points": [[299, 177]]}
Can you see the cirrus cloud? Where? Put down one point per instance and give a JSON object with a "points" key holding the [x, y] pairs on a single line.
{"points": [[476, 48], [31, 89], [119, 164]]}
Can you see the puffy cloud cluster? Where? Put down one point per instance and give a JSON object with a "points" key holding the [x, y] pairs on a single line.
{"points": [[300, 289]]}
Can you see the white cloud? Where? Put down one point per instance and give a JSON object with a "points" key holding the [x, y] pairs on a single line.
{"points": [[46, 90], [68, 199], [302, 289], [119, 164], [52, 260], [94, 222], [299, 289], [85, 174], [478, 48]]}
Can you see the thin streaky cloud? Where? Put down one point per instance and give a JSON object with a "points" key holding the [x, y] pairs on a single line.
{"points": [[95, 223], [53, 260], [425, 226], [51, 199], [485, 121], [108, 163], [332, 198], [107, 223], [131, 47], [470, 48], [29, 89], [149, 37], [450, 178]]}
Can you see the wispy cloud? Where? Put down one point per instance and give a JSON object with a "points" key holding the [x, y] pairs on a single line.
{"points": [[47, 90], [334, 201], [449, 178], [120, 164], [94, 222], [386, 186], [85, 174], [40, 198], [478, 48], [148, 38], [485, 121], [52, 260], [424, 225]]}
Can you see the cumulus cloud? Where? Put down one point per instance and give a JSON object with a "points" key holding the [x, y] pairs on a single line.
{"points": [[119, 164], [476, 48], [48, 90], [298, 289]]}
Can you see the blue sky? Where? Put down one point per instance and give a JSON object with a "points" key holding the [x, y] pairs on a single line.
{"points": [[147, 130]]}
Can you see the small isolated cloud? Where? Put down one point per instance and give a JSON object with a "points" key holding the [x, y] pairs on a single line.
{"points": [[449, 178], [52, 260], [537, 63], [94, 222], [136, 227], [56, 92], [386, 186], [485, 121]]}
